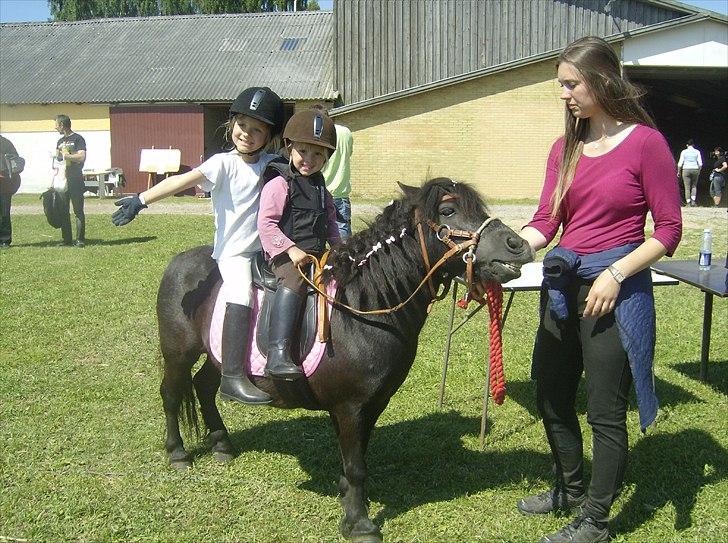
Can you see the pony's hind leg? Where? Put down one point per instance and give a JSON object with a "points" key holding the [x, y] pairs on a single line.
{"points": [[176, 389], [207, 383], [353, 427]]}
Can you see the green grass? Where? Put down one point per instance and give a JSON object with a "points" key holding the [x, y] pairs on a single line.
{"points": [[81, 425]]}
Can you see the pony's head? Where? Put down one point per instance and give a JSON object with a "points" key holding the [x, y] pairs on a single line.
{"points": [[392, 244], [455, 211]]}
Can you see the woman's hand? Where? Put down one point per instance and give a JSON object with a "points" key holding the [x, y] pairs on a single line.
{"points": [[297, 256], [602, 295]]}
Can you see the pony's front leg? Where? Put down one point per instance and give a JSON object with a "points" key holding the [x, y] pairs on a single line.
{"points": [[353, 429]]}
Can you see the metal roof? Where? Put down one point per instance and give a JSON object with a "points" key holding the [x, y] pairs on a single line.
{"points": [[698, 16], [197, 58]]}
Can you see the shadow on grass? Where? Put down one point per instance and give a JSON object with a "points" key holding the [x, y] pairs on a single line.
{"points": [[410, 463], [693, 459], [670, 395], [717, 373], [90, 242]]}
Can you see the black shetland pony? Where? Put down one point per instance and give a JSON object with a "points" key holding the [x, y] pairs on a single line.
{"points": [[368, 356]]}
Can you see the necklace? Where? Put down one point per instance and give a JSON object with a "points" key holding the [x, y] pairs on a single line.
{"points": [[596, 143]]}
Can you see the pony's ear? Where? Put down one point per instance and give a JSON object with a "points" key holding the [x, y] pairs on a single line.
{"points": [[408, 191]]}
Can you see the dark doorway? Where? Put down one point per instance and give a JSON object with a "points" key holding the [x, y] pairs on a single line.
{"points": [[688, 102]]}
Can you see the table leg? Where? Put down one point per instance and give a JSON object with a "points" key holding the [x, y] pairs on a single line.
{"points": [[447, 343], [508, 308], [101, 192], [486, 397], [705, 346]]}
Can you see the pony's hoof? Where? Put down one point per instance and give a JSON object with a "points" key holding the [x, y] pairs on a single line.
{"points": [[180, 465], [222, 449], [369, 538], [362, 531], [180, 460], [223, 457]]}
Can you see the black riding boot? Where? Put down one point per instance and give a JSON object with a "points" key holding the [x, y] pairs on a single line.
{"points": [[284, 317], [235, 384]]}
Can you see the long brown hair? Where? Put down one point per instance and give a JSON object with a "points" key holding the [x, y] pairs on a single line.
{"points": [[601, 70]]}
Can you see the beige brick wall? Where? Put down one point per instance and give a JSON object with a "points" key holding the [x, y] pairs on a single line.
{"points": [[494, 132]]}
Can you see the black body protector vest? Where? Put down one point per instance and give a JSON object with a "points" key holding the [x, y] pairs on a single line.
{"points": [[304, 218]]}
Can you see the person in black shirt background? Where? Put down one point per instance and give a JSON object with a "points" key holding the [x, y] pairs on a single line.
{"points": [[72, 148], [9, 184], [718, 175]]}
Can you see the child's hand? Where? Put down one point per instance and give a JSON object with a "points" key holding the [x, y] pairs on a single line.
{"points": [[297, 256]]}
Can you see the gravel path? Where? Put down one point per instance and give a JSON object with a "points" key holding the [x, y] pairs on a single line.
{"points": [[514, 215]]}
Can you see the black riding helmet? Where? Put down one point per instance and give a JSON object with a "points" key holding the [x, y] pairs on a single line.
{"points": [[260, 103]]}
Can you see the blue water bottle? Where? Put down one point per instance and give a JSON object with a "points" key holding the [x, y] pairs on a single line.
{"points": [[705, 251]]}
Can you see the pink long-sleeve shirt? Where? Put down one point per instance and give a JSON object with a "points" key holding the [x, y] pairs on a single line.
{"points": [[607, 203], [273, 201]]}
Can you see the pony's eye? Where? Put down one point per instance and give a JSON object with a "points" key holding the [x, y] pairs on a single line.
{"points": [[447, 211]]}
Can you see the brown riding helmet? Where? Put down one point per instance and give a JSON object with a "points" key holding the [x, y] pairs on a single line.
{"points": [[311, 126]]}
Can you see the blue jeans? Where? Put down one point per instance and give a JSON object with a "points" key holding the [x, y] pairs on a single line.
{"points": [[343, 217]]}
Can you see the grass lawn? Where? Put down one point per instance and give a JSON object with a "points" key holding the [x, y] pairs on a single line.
{"points": [[81, 424]]}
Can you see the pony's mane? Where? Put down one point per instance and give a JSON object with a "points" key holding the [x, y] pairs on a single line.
{"points": [[381, 255]]}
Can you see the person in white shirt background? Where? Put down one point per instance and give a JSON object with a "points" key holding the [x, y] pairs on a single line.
{"points": [[688, 168]]}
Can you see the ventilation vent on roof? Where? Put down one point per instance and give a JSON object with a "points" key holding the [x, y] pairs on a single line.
{"points": [[291, 44]]}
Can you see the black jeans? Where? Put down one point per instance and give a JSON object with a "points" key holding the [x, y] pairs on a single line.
{"points": [[6, 228], [563, 351], [74, 195]]}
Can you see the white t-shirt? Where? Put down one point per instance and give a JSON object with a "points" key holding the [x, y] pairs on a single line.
{"points": [[690, 159], [233, 186]]}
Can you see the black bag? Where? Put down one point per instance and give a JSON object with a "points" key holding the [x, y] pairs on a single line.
{"points": [[12, 163], [53, 207]]}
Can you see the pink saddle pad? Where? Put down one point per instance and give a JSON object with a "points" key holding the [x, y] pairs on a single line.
{"points": [[256, 360]]}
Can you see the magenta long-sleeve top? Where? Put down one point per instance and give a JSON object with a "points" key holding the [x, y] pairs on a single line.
{"points": [[607, 203], [273, 201]]}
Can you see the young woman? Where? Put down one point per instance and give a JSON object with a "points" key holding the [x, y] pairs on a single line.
{"points": [[605, 174], [297, 217], [232, 179]]}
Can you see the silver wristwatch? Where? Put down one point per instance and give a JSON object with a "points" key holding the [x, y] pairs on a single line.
{"points": [[618, 277]]}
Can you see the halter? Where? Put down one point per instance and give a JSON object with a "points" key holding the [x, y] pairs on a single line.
{"points": [[445, 234]]}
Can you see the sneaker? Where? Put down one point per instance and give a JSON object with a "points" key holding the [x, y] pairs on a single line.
{"points": [[64, 244], [79, 243], [583, 529], [549, 501]]}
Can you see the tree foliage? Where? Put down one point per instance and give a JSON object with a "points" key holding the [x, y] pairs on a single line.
{"points": [[77, 10]]}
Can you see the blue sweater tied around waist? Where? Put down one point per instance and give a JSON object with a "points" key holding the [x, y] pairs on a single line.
{"points": [[634, 313]]}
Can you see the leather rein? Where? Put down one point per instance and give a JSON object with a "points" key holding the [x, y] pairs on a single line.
{"points": [[443, 233]]}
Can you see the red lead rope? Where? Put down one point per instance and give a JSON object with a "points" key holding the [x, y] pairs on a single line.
{"points": [[494, 294], [494, 298]]}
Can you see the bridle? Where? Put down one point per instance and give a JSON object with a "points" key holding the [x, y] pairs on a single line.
{"points": [[444, 233]]}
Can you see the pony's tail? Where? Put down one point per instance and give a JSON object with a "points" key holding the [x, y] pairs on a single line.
{"points": [[177, 389], [188, 413]]}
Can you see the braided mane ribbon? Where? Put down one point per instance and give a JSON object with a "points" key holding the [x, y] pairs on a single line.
{"points": [[494, 299], [494, 296]]}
